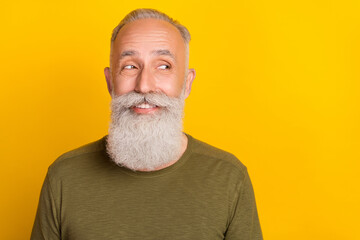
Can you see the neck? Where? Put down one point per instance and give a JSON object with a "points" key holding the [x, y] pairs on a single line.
{"points": [[184, 143]]}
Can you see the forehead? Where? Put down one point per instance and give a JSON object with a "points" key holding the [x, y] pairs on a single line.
{"points": [[149, 34]]}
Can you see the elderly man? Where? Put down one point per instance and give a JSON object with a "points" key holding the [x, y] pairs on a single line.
{"points": [[147, 179]]}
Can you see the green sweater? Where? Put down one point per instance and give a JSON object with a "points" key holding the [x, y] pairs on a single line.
{"points": [[206, 194]]}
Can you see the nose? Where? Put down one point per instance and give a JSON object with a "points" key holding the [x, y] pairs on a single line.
{"points": [[145, 82]]}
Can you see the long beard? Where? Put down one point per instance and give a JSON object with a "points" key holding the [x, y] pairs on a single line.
{"points": [[145, 141]]}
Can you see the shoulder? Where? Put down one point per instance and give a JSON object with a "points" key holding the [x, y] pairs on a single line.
{"points": [[89, 148], [215, 155], [79, 158]]}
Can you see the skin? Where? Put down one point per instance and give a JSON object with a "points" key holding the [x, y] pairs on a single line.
{"points": [[149, 55]]}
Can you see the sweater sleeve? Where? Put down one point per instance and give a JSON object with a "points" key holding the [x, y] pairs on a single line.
{"points": [[245, 223], [47, 220]]}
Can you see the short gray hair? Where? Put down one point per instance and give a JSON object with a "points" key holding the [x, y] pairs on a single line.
{"points": [[146, 13]]}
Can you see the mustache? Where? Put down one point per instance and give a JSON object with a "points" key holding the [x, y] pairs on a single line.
{"points": [[159, 99]]}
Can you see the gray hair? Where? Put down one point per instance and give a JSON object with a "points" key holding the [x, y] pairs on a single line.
{"points": [[145, 13]]}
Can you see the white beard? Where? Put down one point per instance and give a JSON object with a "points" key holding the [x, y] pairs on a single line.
{"points": [[149, 141]]}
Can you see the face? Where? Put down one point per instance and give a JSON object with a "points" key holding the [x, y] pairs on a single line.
{"points": [[149, 55]]}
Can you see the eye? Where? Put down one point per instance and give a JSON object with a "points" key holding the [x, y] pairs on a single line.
{"points": [[129, 67], [163, 67]]}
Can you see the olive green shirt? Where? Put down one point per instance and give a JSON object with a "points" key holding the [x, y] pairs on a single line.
{"points": [[205, 195]]}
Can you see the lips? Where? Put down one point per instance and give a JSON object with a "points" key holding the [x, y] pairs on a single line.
{"points": [[144, 108]]}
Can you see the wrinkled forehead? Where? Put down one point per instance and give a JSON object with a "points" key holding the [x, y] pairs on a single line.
{"points": [[151, 34]]}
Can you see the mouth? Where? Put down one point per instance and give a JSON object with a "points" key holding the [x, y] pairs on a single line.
{"points": [[145, 108]]}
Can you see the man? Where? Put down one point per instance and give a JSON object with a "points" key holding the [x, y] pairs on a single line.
{"points": [[147, 179]]}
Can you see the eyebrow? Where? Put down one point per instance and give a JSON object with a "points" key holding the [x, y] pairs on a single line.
{"points": [[160, 52], [128, 53], [164, 52]]}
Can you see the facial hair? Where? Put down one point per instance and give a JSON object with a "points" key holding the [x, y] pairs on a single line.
{"points": [[145, 142]]}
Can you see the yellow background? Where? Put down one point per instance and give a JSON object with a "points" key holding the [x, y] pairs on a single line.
{"points": [[277, 84]]}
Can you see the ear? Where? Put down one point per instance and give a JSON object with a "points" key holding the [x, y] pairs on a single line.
{"points": [[189, 80], [108, 79]]}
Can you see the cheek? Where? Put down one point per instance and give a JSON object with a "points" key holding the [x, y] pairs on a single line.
{"points": [[122, 86], [171, 86]]}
